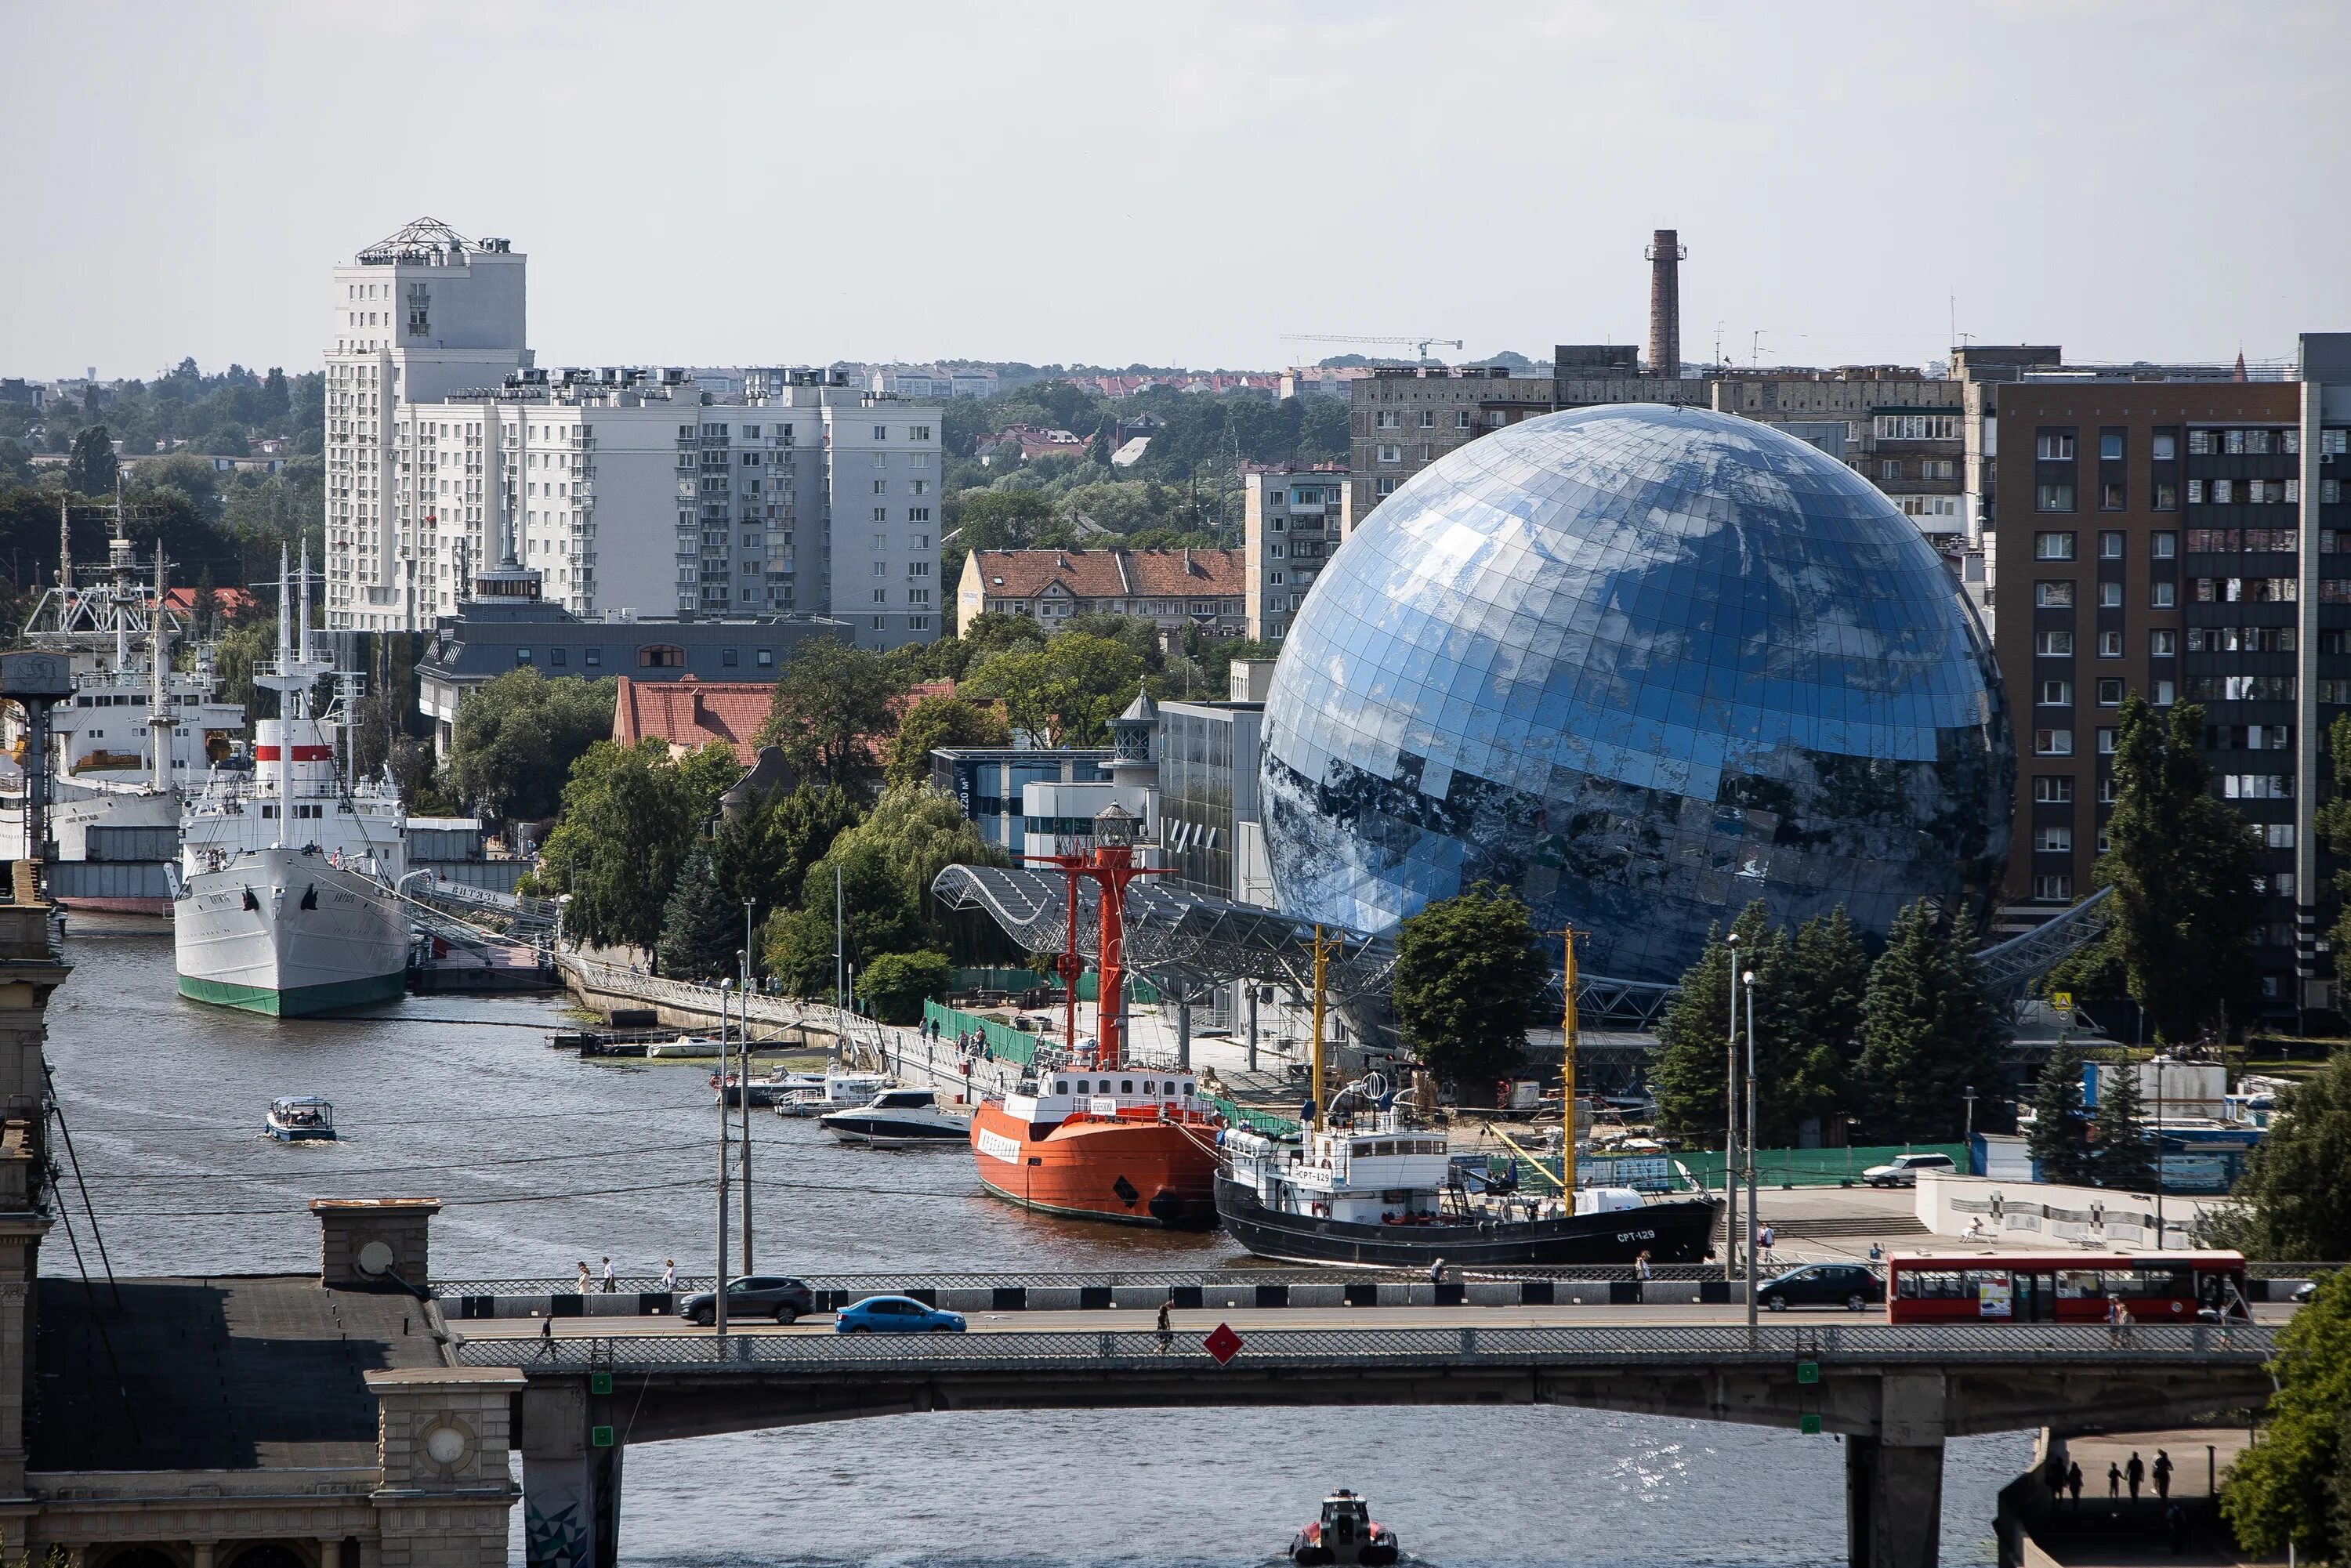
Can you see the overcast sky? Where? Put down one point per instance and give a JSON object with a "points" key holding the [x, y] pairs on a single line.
{"points": [[713, 183]]}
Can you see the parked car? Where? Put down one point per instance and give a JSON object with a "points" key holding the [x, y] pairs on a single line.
{"points": [[895, 1314], [2305, 1291], [752, 1296], [1903, 1170], [1847, 1285]]}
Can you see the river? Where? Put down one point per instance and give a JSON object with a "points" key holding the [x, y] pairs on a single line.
{"points": [[545, 1160]]}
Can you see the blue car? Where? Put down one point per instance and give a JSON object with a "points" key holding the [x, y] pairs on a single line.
{"points": [[895, 1314]]}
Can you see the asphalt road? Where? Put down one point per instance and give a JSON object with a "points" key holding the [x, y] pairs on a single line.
{"points": [[1244, 1320]]}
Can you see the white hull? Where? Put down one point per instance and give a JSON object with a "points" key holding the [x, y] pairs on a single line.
{"points": [[281, 932]]}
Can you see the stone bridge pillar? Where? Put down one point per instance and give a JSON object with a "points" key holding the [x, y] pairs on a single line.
{"points": [[570, 1476], [1894, 1481]]}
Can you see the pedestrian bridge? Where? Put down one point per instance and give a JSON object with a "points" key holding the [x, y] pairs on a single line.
{"points": [[1893, 1393]]}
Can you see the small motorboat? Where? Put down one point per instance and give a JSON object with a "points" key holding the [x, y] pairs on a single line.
{"points": [[839, 1091], [301, 1119], [764, 1090], [897, 1119], [1346, 1533]]}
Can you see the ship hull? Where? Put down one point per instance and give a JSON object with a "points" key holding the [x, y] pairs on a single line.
{"points": [[287, 934], [1676, 1231], [1153, 1174]]}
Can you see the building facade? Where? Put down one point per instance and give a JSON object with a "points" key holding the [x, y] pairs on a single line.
{"points": [[1174, 590], [989, 784], [693, 493], [1293, 518], [2184, 540]]}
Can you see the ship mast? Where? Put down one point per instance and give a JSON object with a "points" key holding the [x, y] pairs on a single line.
{"points": [[158, 711], [291, 677]]}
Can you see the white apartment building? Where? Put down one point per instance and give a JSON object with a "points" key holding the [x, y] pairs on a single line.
{"points": [[676, 492], [1293, 518], [931, 383]]}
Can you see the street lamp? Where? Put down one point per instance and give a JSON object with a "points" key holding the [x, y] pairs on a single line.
{"points": [[718, 1286], [1730, 1123], [1969, 1095], [1749, 978]]}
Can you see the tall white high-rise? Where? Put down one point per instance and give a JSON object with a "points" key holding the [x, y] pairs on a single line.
{"points": [[449, 454]]}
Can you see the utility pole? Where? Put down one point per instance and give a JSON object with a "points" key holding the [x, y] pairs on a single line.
{"points": [[1751, 1157], [1730, 1125], [1969, 1095], [1316, 1081], [744, 1086], [718, 1286], [839, 958]]}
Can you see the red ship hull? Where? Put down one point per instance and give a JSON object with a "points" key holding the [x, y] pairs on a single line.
{"points": [[1125, 1169]]}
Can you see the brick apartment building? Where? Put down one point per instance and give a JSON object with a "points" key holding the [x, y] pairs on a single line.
{"points": [[2182, 539]]}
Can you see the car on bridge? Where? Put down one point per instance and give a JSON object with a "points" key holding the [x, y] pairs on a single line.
{"points": [[1847, 1285], [1903, 1170], [773, 1296], [895, 1314]]}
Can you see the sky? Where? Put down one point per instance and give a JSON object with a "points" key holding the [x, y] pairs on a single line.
{"points": [[723, 183]]}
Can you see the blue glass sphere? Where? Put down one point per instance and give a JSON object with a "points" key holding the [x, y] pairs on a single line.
{"points": [[1642, 664]]}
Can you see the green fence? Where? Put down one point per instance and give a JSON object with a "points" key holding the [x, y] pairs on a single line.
{"points": [[1140, 992], [1813, 1167], [1005, 1044]]}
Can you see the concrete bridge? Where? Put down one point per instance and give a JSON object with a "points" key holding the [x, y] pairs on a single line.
{"points": [[1893, 1394]]}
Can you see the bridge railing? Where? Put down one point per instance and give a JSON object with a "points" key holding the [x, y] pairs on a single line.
{"points": [[892, 1283], [2236, 1344]]}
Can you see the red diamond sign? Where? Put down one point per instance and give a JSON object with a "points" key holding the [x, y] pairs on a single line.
{"points": [[1224, 1344]]}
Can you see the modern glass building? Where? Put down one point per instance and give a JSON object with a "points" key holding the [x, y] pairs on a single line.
{"points": [[1643, 665]]}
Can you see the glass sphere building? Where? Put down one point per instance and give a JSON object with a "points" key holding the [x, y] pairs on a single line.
{"points": [[1642, 664]]}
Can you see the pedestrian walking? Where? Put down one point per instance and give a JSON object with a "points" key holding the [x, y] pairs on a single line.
{"points": [[583, 1276], [2162, 1473], [2114, 1482], [546, 1335], [2135, 1472], [1166, 1324], [1876, 1254], [2073, 1484], [669, 1276], [2114, 1322], [1764, 1239], [2052, 1476], [610, 1283], [1437, 1273], [1641, 1264]]}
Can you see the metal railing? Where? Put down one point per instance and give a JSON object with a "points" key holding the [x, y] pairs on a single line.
{"points": [[886, 1282], [2231, 1344]]}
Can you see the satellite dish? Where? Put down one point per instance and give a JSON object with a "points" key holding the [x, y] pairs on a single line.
{"points": [[375, 1259]]}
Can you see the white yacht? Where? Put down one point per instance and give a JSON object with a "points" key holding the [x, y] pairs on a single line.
{"points": [[897, 1119], [839, 1091], [285, 902]]}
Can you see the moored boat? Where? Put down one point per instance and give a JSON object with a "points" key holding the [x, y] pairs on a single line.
{"points": [[896, 1119], [1134, 1145], [836, 1092]]}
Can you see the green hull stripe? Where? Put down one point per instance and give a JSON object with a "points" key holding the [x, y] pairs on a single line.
{"points": [[300, 1001]]}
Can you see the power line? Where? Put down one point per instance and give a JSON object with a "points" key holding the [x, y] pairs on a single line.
{"points": [[482, 1202]]}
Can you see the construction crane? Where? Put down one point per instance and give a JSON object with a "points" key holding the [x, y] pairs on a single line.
{"points": [[1420, 345]]}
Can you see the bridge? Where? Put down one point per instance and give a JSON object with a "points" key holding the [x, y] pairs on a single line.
{"points": [[1893, 1394]]}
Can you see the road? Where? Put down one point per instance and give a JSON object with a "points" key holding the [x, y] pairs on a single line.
{"points": [[1244, 1320]]}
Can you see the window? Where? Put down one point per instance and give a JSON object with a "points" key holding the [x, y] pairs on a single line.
{"points": [[2056, 694], [1937, 468], [2052, 743], [2277, 835], [593, 658], [2257, 787], [1461, 421], [2163, 645], [2110, 546], [2163, 595], [2054, 841], [2110, 693], [558, 658], [918, 432], [766, 658], [1383, 486], [2053, 788], [1917, 426], [1388, 419], [2163, 545], [2054, 644], [2225, 492], [2105, 743], [1891, 468], [2053, 497], [2110, 645], [1391, 454], [2053, 547], [660, 656], [2164, 496], [2164, 447], [2054, 888], [2196, 492], [1429, 419], [727, 657], [2110, 596], [2056, 446], [2111, 498], [881, 433], [522, 656], [2053, 595]]}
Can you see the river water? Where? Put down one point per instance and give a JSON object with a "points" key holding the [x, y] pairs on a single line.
{"points": [[545, 1160]]}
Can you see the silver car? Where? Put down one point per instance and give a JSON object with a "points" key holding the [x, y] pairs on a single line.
{"points": [[1903, 1170]]}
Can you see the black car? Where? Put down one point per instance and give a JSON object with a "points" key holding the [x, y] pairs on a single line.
{"points": [[1847, 1285], [752, 1296]]}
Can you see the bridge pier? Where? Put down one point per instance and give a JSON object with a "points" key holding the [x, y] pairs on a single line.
{"points": [[570, 1476], [1894, 1481]]}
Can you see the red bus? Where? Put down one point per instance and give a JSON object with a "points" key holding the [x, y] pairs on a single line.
{"points": [[2068, 1288]]}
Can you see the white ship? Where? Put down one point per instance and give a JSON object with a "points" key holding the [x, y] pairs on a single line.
{"points": [[286, 901], [136, 735]]}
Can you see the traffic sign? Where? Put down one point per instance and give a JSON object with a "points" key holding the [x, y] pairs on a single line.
{"points": [[1224, 1343], [1810, 1425]]}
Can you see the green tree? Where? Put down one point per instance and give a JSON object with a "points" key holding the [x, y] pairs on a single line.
{"points": [[2184, 912], [832, 704], [1930, 1031], [2291, 1486], [2294, 1199], [896, 985], [1693, 1036], [763, 857], [922, 832], [517, 736], [1469, 977], [1824, 975], [701, 932], [2059, 1141], [2125, 1151], [940, 721], [627, 828], [91, 466], [879, 914], [1065, 694]]}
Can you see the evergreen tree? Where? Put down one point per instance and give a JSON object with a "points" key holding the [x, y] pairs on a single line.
{"points": [[2060, 1143], [1693, 1036], [701, 932], [1930, 1030], [2184, 912], [763, 856], [91, 466], [2126, 1153], [1468, 976], [2294, 1199], [1825, 975]]}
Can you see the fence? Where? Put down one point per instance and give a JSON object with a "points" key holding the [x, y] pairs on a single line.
{"points": [[1813, 1167]]}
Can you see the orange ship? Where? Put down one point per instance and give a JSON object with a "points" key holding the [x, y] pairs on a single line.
{"points": [[1131, 1145], [1100, 1138]]}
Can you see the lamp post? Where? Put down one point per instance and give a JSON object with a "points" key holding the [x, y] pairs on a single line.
{"points": [[1969, 1095], [718, 1285], [1730, 1123], [1751, 1155], [743, 1086]]}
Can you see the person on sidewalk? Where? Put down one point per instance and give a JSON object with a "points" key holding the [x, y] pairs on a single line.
{"points": [[1437, 1273], [2114, 1482], [2073, 1484], [611, 1282], [583, 1276], [2162, 1473], [2135, 1472], [669, 1276], [1641, 1264], [1764, 1239], [2052, 1476], [1166, 1324]]}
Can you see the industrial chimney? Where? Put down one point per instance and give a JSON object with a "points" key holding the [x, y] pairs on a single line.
{"points": [[1665, 255]]}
